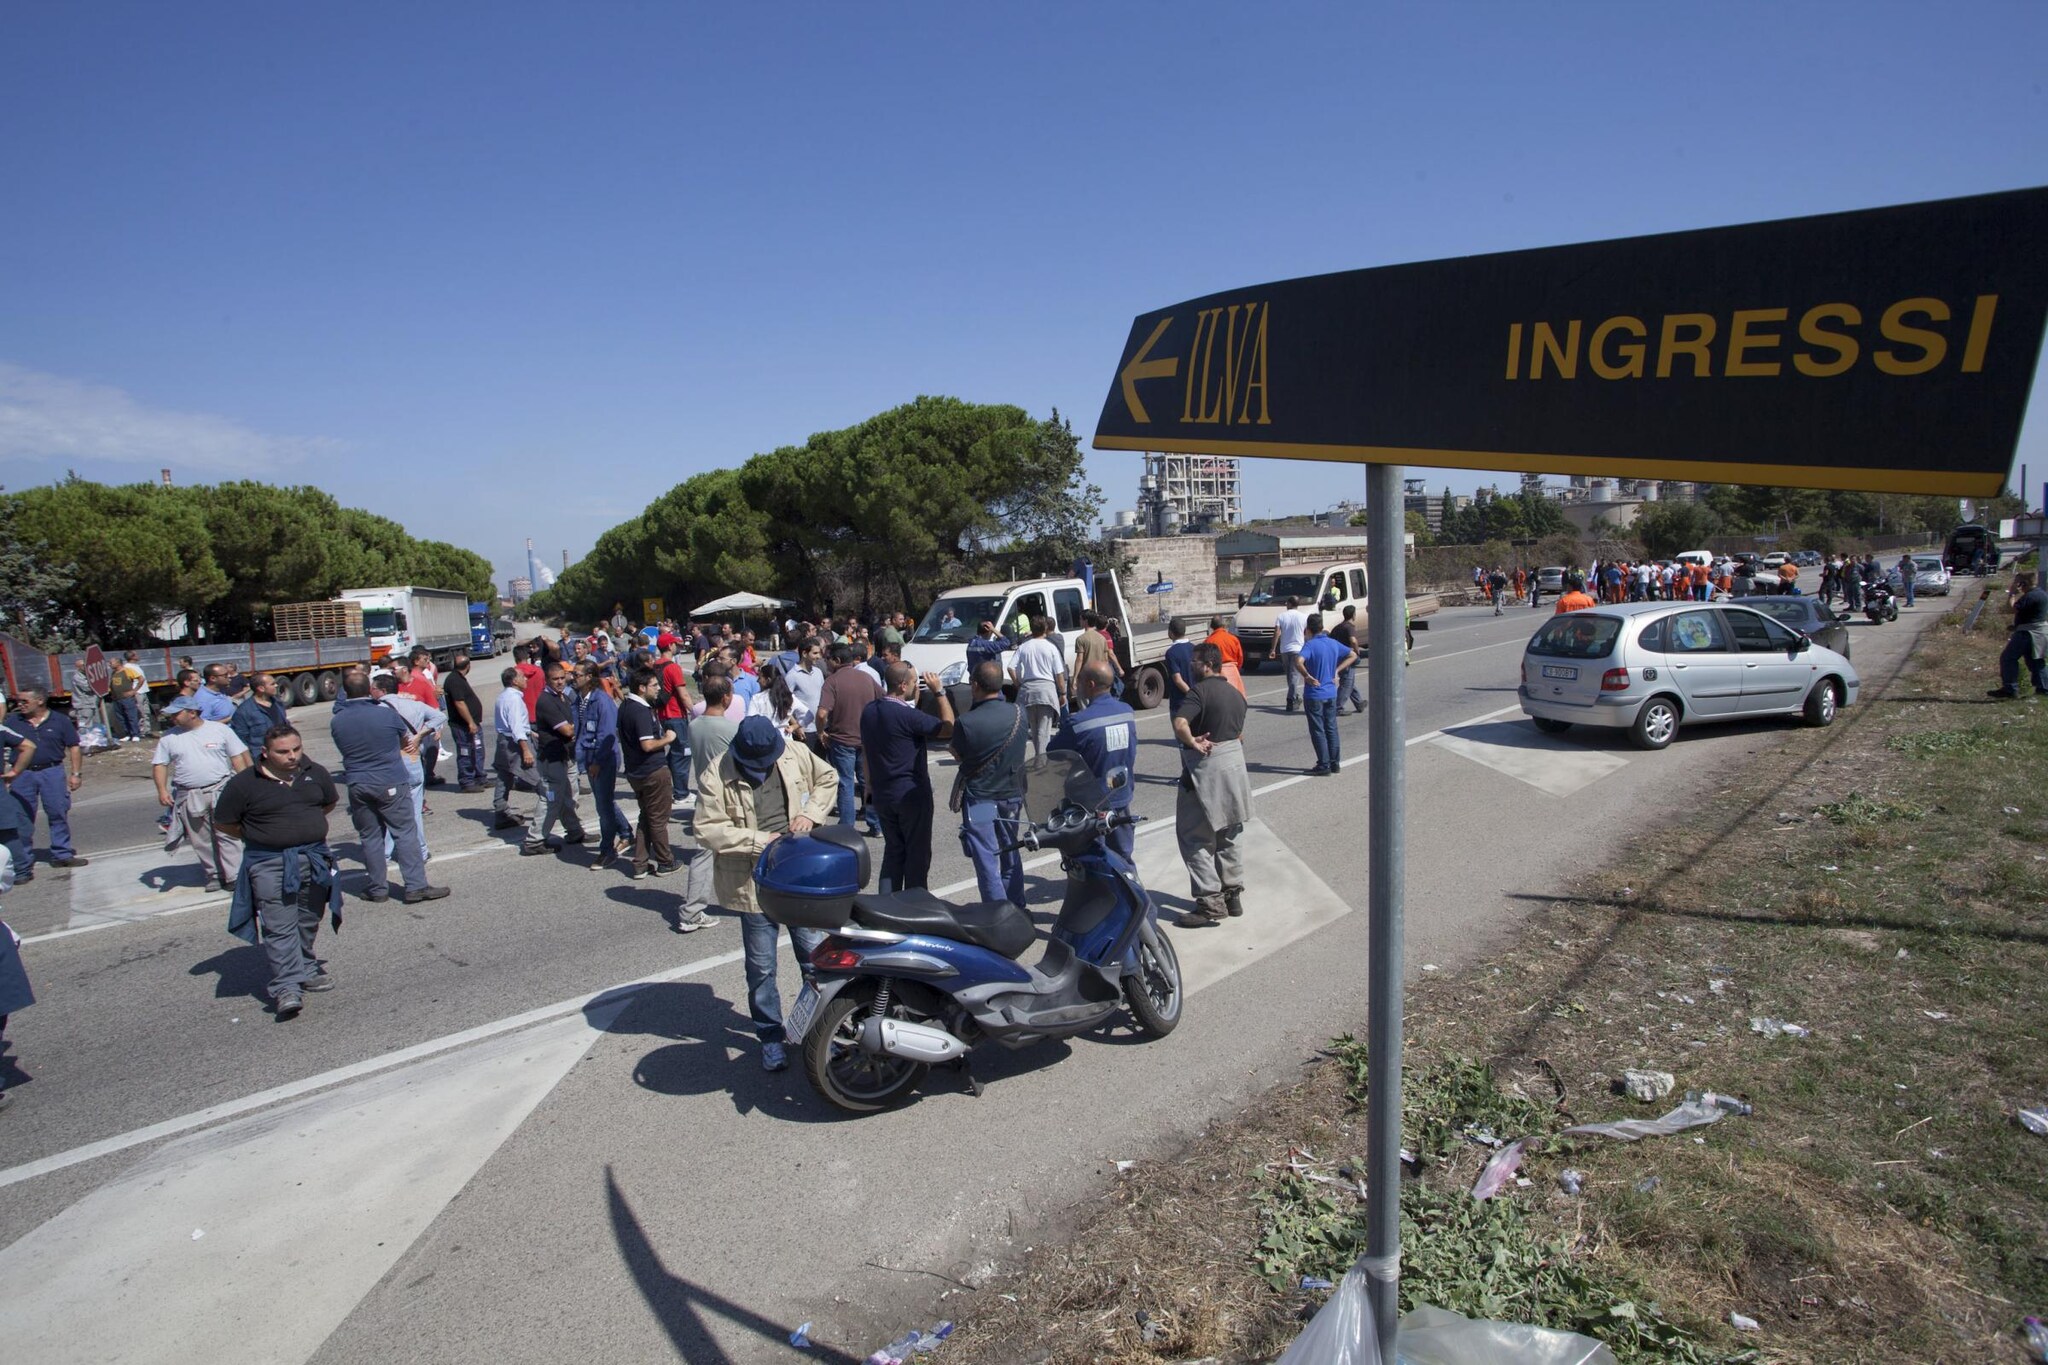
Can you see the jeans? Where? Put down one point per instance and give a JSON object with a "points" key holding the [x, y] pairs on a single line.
{"points": [[1293, 679], [984, 826], [288, 927], [469, 755], [906, 842], [50, 790], [764, 997], [559, 790], [127, 718], [678, 757], [613, 828], [1347, 684], [1322, 730], [1907, 584], [376, 810], [2020, 646], [845, 760]]}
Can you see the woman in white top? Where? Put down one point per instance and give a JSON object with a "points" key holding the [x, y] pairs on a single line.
{"points": [[778, 703]]}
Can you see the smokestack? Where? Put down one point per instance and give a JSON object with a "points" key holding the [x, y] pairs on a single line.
{"points": [[565, 559], [167, 478]]}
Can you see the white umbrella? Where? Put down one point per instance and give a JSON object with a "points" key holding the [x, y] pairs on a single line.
{"points": [[741, 601]]}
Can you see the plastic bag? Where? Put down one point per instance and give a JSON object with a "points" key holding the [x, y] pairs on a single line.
{"points": [[1342, 1334], [1707, 1108], [1437, 1336]]}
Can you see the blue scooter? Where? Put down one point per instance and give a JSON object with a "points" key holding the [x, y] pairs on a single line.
{"points": [[905, 981]]}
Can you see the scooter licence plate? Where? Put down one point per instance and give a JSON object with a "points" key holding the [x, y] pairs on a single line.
{"points": [[800, 1014], [1564, 671]]}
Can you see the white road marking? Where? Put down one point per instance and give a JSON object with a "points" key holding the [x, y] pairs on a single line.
{"points": [[228, 1109], [1528, 756], [156, 1264]]}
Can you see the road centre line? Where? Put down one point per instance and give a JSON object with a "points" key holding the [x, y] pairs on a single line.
{"points": [[228, 1109], [1162, 712]]}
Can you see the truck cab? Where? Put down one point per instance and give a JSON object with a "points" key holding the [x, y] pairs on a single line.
{"points": [[1327, 588], [939, 643]]}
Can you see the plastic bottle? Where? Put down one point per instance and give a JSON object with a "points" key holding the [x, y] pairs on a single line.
{"points": [[1708, 1097], [2037, 1337]]}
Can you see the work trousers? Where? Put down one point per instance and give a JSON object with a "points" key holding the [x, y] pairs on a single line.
{"points": [[1293, 679], [906, 841], [560, 790], [985, 826], [48, 790], [513, 774], [220, 855], [1214, 860], [1043, 720], [417, 777], [758, 935], [469, 755], [613, 828], [377, 811], [2020, 647], [289, 926], [655, 791], [430, 756], [1322, 730]]}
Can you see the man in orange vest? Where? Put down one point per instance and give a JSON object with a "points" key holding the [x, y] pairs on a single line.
{"points": [[1577, 599]]}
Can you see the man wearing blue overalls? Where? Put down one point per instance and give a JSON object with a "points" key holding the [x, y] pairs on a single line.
{"points": [[45, 776], [1104, 732]]}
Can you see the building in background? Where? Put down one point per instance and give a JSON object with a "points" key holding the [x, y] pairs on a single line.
{"points": [[520, 589], [1178, 493]]}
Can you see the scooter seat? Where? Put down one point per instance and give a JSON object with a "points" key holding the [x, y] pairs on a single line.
{"points": [[997, 926]]}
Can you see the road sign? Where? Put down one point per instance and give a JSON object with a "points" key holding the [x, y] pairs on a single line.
{"points": [[1889, 349], [1160, 587], [652, 609], [97, 671]]}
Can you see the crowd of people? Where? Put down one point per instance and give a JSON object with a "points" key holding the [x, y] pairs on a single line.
{"points": [[1615, 581]]}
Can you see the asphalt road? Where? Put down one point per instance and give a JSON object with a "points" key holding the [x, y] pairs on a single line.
{"points": [[472, 1151]]}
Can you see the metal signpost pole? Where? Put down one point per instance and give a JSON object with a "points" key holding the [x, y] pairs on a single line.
{"points": [[1386, 765]]}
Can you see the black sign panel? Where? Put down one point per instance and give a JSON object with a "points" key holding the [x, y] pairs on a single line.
{"points": [[1888, 350]]}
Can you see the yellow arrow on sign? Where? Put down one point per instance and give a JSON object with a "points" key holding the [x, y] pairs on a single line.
{"points": [[1141, 368]]}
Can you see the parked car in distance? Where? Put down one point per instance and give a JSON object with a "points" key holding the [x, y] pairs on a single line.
{"points": [[1775, 558], [1650, 667], [1549, 583], [1931, 577], [1809, 616]]}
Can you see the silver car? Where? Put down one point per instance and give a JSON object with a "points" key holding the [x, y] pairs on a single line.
{"points": [[1648, 667], [1930, 577]]}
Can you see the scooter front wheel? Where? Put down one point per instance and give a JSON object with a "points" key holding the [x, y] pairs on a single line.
{"points": [[1153, 991], [848, 1077]]}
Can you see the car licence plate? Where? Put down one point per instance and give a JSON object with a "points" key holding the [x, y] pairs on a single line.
{"points": [[800, 1014], [1563, 671]]}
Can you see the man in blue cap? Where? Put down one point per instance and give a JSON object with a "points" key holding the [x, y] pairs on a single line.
{"points": [[760, 790]]}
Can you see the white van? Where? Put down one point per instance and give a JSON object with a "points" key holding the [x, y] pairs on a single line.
{"points": [[1703, 558]]}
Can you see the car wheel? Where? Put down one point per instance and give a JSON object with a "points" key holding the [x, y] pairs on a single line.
{"points": [[1820, 704], [1551, 727], [1654, 725]]}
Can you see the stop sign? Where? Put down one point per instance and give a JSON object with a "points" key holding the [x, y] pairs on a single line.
{"points": [[96, 671]]}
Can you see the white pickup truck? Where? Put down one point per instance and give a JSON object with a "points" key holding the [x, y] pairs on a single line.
{"points": [[939, 644], [1327, 587]]}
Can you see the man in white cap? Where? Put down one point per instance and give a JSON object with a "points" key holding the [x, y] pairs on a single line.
{"points": [[193, 761]]}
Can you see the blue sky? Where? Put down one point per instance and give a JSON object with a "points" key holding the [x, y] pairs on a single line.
{"points": [[511, 270]]}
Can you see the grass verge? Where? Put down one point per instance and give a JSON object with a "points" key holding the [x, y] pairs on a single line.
{"points": [[1881, 883]]}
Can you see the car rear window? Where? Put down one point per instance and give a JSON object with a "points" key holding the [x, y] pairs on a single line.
{"points": [[1577, 635]]}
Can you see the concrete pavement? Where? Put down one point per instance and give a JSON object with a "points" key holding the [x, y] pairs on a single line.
{"points": [[662, 1197]]}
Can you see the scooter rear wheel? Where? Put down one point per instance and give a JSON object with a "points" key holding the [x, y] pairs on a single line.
{"points": [[849, 1078], [1153, 991]]}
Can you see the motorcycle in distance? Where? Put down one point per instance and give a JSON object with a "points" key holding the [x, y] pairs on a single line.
{"points": [[904, 980], [1878, 602]]}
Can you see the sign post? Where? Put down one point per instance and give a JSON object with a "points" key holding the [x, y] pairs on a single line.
{"points": [[1887, 350]]}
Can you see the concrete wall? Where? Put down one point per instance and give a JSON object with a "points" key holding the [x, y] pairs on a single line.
{"points": [[1187, 562]]}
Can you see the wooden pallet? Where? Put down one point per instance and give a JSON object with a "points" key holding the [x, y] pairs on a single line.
{"points": [[317, 620]]}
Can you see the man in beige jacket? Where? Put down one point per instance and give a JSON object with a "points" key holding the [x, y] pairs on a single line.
{"points": [[760, 790]]}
